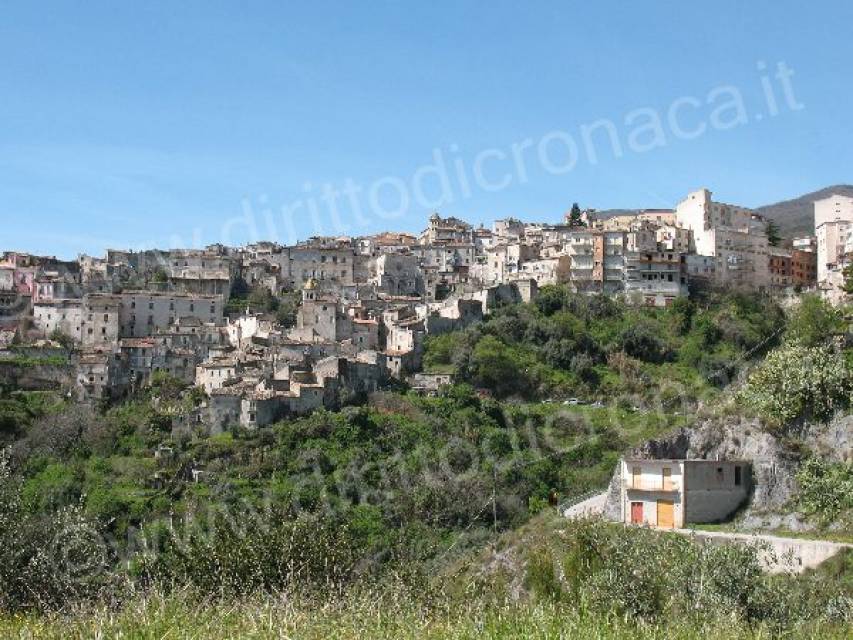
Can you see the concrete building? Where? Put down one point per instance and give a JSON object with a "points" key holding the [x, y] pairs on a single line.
{"points": [[670, 494], [832, 208], [832, 257], [735, 236], [805, 243]]}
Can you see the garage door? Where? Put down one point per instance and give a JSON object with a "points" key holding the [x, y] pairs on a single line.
{"points": [[666, 514]]}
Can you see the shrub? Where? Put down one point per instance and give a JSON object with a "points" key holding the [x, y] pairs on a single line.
{"points": [[796, 381], [826, 489], [51, 559]]}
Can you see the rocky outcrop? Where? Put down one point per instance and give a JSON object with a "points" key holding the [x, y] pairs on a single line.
{"points": [[775, 458], [36, 377]]}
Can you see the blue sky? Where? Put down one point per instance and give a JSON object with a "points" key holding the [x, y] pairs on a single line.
{"points": [[142, 124]]}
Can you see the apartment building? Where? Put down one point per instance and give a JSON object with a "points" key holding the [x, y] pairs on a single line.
{"points": [[734, 236], [832, 208]]}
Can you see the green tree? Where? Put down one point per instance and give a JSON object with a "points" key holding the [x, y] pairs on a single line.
{"points": [[774, 236], [826, 489], [575, 216], [813, 321], [261, 300], [848, 279], [796, 381], [495, 368], [288, 305], [159, 276]]}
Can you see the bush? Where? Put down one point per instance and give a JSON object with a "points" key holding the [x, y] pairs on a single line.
{"points": [[826, 489], [796, 381], [641, 342], [51, 559]]}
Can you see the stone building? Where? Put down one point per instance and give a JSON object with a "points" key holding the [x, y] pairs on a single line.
{"points": [[59, 316], [142, 313], [441, 231], [320, 260]]}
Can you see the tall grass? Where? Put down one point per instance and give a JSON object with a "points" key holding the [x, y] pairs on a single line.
{"points": [[364, 616]]}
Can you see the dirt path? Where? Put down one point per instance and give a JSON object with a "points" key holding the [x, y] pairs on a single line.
{"points": [[779, 554]]}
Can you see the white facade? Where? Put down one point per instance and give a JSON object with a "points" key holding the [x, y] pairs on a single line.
{"points": [[669, 494], [735, 236], [835, 207]]}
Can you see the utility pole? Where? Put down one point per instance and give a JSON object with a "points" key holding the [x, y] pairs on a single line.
{"points": [[495, 498]]}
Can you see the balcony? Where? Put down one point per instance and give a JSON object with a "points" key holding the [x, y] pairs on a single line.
{"points": [[657, 485]]}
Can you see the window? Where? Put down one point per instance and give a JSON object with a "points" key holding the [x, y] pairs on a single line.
{"points": [[738, 476]]}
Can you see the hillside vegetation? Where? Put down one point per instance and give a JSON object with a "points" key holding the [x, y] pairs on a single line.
{"points": [[399, 494], [594, 347]]}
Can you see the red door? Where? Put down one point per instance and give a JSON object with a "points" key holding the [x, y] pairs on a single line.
{"points": [[636, 513]]}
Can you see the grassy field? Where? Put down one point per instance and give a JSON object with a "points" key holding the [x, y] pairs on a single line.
{"points": [[366, 617]]}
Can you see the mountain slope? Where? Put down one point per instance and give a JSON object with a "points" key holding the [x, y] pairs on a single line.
{"points": [[796, 216]]}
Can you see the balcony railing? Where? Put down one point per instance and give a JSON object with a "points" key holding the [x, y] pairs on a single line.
{"points": [[658, 484]]}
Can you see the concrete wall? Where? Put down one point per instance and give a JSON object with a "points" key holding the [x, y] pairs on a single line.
{"points": [[777, 554], [711, 492]]}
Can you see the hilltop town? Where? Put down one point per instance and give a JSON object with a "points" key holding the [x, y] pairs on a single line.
{"points": [[269, 331]]}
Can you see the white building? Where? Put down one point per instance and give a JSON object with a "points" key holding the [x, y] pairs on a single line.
{"points": [[833, 239], [669, 494], [62, 316], [734, 236], [835, 207]]}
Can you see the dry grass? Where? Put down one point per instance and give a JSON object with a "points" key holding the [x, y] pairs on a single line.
{"points": [[358, 617]]}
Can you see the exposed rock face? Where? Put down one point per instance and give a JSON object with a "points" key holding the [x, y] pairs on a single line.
{"points": [[612, 510], [775, 460]]}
